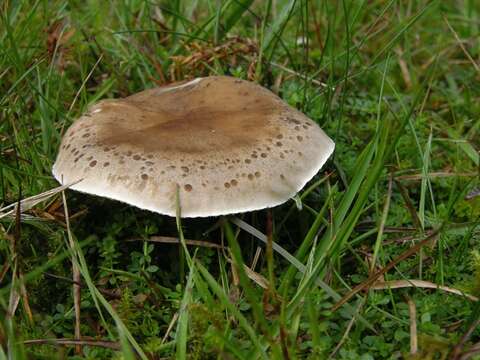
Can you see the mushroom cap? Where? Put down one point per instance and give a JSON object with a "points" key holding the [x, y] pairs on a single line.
{"points": [[226, 144]]}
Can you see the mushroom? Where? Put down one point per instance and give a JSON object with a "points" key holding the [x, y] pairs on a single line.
{"points": [[226, 144]]}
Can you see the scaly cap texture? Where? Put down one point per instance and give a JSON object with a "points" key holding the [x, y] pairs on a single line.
{"points": [[228, 144]]}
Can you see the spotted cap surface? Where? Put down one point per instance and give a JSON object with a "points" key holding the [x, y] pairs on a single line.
{"points": [[227, 144]]}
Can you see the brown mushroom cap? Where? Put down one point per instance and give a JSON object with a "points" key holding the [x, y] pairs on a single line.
{"points": [[228, 144]]}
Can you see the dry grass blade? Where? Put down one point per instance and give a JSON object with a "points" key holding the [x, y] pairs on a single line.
{"points": [[76, 303], [256, 277], [256, 257], [301, 76], [460, 43], [175, 240], [412, 311], [260, 280], [407, 79], [397, 284], [114, 345], [437, 174], [413, 250], [76, 280], [405, 239], [28, 203], [25, 301], [170, 327], [410, 206]]}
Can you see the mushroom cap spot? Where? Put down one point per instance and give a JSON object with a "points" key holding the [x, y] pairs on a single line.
{"points": [[203, 134]]}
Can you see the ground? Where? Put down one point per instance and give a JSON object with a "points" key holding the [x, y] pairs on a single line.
{"points": [[377, 257]]}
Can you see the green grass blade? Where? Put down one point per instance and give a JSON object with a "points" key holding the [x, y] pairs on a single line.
{"points": [[181, 336], [225, 302]]}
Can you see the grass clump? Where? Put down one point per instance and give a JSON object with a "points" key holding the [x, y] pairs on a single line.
{"points": [[395, 84]]}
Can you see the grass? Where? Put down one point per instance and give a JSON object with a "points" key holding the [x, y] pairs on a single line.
{"points": [[394, 83]]}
